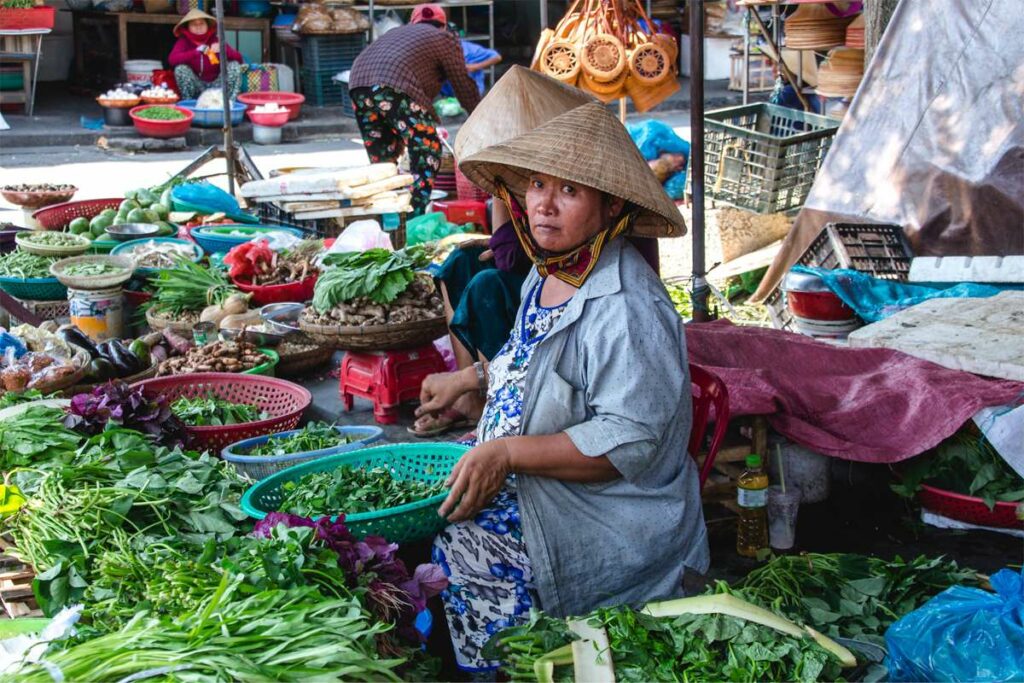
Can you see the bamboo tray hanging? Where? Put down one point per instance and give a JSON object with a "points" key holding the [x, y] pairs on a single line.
{"points": [[377, 337]]}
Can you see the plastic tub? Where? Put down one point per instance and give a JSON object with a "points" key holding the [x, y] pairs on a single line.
{"points": [[293, 101], [290, 292], [220, 238], [260, 466], [266, 135], [127, 247], [140, 71], [97, 313], [269, 119], [161, 129], [213, 118]]}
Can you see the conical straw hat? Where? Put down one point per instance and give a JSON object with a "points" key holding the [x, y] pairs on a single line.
{"points": [[587, 145], [193, 14], [520, 101]]}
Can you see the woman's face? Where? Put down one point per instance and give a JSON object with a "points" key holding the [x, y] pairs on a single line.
{"points": [[564, 214], [198, 26]]}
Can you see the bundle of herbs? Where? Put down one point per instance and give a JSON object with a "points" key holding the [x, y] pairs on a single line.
{"points": [[964, 463], [116, 404], [187, 289], [351, 490], [374, 287], [315, 436], [210, 410]]}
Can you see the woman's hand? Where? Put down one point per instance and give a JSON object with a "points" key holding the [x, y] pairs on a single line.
{"points": [[476, 479], [439, 391]]}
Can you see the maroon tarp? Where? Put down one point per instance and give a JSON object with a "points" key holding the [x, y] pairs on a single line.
{"points": [[870, 405]]}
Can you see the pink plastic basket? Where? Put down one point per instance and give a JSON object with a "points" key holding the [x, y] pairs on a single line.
{"points": [[59, 215], [969, 509], [284, 401]]}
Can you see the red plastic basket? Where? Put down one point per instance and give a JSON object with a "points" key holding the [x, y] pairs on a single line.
{"points": [[283, 400], [298, 292], [23, 18], [161, 129], [465, 189], [293, 101], [56, 217], [969, 509], [273, 119]]}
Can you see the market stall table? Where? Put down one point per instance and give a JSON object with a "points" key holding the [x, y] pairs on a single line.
{"points": [[981, 336], [124, 19]]}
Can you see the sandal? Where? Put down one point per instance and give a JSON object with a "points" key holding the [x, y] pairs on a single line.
{"points": [[445, 422]]}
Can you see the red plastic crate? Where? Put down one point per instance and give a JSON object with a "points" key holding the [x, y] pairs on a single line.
{"points": [[462, 211], [20, 19]]}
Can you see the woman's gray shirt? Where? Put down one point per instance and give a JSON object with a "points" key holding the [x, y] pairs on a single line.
{"points": [[613, 375]]}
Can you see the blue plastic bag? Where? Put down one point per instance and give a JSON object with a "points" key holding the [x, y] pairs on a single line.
{"points": [[207, 196], [962, 634], [654, 138], [675, 186]]}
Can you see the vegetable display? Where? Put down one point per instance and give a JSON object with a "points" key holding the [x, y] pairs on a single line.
{"points": [[213, 411], [23, 265], [160, 255], [189, 288], [964, 463], [117, 404], [220, 356], [255, 263], [160, 114], [38, 187], [315, 436], [51, 238], [352, 490], [91, 269], [111, 359]]}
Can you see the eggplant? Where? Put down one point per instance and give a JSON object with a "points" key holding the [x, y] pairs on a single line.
{"points": [[72, 335], [126, 362], [100, 370]]}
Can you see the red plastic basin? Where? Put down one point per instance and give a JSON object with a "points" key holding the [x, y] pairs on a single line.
{"points": [[462, 211], [298, 292], [293, 101], [274, 120], [818, 306], [161, 129], [969, 509]]}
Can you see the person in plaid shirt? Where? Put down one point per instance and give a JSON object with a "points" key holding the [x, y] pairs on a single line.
{"points": [[393, 85]]}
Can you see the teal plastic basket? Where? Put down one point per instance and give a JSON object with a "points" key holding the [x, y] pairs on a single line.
{"points": [[34, 288], [427, 462]]}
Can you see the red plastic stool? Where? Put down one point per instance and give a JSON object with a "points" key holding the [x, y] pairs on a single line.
{"points": [[387, 378]]}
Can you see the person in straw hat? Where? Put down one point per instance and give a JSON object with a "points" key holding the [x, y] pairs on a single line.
{"points": [[196, 57], [480, 280], [581, 459]]}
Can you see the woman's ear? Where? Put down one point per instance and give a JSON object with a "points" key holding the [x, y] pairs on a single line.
{"points": [[615, 205]]}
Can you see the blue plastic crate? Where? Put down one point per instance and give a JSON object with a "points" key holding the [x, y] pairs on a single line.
{"points": [[326, 53]]}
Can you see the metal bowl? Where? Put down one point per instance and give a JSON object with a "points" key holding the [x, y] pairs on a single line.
{"points": [[133, 231], [282, 318], [261, 338]]}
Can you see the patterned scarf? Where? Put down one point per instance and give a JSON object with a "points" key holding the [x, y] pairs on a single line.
{"points": [[572, 267]]}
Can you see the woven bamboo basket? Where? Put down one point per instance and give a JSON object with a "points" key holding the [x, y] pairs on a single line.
{"points": [[377, 337], [80, 360], [158, 322], [301, 360], [646, 97], [606, 92], [603, 58], [560, 60], [650, 64]]}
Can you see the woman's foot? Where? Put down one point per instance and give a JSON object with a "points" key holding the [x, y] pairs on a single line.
{"points": [[435, 425]]}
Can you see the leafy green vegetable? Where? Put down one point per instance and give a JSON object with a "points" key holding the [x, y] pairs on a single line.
{"points": [[92, 269], [13, 398], [964, 463], [37, 435], [377, 274], [23, 265], [848, 595], [213, 411], [189, 287], [160, 113], [351, 490], [313, 437]]}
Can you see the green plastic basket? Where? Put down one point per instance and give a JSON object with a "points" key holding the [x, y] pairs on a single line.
{"points": [[265, 369], [103, 246], [426, 462], [34, 288]]}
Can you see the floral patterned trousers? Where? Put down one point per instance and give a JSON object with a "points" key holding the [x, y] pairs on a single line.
{"points": [[490, 581], [390, 123], [190, 86]]}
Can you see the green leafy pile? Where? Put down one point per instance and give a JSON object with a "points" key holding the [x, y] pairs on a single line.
{"points": [[37, 435], [690, 647], [315, 436], [23, 265], [377, 274], [206, 411], [964, 463], [189, 287], [848, 595], [351, 490]]}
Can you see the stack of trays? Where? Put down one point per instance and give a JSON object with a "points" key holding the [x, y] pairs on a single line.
{"points": [[855, 33], [841, 73], [814, 27]]}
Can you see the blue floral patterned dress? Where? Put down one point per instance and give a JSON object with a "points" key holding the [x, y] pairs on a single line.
{"points": [[491, 581]]}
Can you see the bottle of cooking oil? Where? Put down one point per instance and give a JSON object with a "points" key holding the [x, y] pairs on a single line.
{"points": [[752, 498]]}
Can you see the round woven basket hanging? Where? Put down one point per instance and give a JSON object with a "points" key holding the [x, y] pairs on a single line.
{"points": [[604, 91], [603, 58], [545, 38], [668, 44], [561, 61], [650, 64]]}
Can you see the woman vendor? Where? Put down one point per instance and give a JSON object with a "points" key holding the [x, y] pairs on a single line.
{"points": [[481, 279], [579, 492], [197, 54]]}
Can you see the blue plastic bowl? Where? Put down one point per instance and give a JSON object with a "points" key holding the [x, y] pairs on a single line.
{"points": [[213, 118], [260, 466], [254, 8], [212, 243], [126, 247]]}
